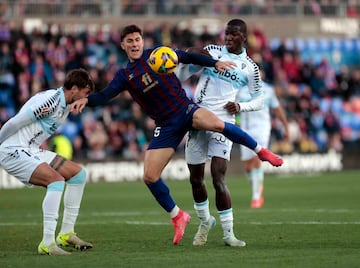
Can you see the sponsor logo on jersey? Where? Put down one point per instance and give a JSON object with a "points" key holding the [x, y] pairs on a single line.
{"points": [[227, 74], [199, 100]]}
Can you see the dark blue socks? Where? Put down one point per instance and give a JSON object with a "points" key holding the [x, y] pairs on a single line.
{"points": [[162, 194], [239, 136]]}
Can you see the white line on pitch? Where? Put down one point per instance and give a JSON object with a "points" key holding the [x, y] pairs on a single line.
{"points": [[159, 212], [167, 223]]}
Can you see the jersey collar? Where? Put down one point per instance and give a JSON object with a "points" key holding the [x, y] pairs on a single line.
{"points": [[242, 55], [62, 97]]}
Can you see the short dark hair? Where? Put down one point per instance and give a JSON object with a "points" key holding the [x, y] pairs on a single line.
{"points": [[80, 78], [240, 23], [128, 30]]}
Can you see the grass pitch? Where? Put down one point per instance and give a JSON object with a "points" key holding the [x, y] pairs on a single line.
{"points": [[307, 221]]}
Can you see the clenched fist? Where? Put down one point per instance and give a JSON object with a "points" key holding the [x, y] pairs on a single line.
{"points": [[232, 107]]}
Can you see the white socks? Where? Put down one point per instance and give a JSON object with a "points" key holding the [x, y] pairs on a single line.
{"points": [[174, 212], [227, 221], [72, 200], [202, 210], [50, 208], [256, 177]]}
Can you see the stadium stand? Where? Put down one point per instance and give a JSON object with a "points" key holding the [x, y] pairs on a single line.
{"points": [[317, 79]]}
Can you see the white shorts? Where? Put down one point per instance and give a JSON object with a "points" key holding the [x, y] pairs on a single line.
{"points": [[202, 145], [21, 162], [246, 153]]}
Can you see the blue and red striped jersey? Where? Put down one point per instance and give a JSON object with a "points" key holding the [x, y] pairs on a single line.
{"points": [[160, 96]]}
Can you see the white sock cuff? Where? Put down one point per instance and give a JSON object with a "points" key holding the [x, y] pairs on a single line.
{"points": [[79, 178], [201, 204], [56, 186]]}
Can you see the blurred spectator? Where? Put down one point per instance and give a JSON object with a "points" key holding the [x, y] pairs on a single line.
{"points": [[96, 139], [292, 67], [4, 31], [343, 79], [206, 37], [354, 83], [351, 9], [41, 73], [332, 128]]}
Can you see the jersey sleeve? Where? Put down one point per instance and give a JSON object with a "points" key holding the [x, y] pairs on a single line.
{"points": [[195, 58], [43, 108], [23, 118], [103, 96], [256, 103], [254, 82]]}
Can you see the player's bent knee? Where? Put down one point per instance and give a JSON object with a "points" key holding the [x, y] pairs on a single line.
{"points": [[150, 179], [218, 125], [56, 186], [79, 178]]}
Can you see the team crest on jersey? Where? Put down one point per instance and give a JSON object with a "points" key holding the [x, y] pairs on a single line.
{"points": [[243, 66], [131, 76], [44, 110]]}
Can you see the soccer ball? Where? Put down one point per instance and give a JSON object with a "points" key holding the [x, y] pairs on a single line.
{"points": [[163, 60]]}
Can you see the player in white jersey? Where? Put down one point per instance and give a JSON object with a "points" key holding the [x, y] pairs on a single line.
{"points": [[21, 156], [216, 91], [258, 125]]}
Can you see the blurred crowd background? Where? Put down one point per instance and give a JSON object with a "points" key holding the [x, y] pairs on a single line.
{"points": [[317, 80], [348, 8]]}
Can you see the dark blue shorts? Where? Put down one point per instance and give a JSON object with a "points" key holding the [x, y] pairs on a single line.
{"points": [[170, 135]]}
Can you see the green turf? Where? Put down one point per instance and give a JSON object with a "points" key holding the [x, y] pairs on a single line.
{"points": [[307, 221]]}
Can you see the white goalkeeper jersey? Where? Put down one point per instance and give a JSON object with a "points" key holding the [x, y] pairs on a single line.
{"points": [[258, 123], [215, 88], [40, 117]]}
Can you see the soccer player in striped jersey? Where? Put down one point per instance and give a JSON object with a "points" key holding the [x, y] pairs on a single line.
{"points": [[21, 156], [163, 99]]}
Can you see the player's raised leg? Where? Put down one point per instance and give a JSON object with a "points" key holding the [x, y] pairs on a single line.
{"points": [[207, 120]]}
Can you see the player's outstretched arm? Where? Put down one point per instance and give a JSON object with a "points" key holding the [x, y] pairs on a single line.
{"points": [[204, 60], [224, 65]]}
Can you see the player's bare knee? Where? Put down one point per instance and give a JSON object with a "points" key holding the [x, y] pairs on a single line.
{"points": [[218, 125], [220, 186], [79, 178], [149, 179]]}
